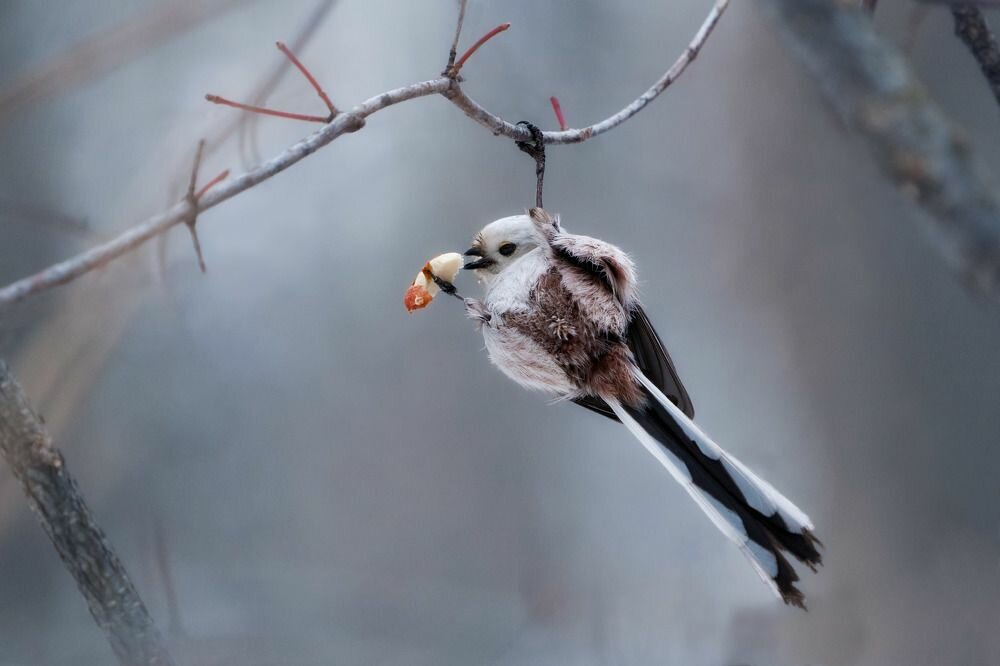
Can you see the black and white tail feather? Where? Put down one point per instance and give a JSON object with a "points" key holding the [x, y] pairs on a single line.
{"points": [[762, 522]]}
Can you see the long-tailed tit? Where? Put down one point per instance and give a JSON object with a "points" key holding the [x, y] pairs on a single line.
{"points": [[561, 315]]}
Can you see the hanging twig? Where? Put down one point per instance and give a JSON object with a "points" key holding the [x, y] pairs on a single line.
{"points": [[84, 549], [536, 150]]}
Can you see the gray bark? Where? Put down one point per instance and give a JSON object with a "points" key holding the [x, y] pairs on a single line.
{"points": [[56, 501], [871, 85], [971, 27]]}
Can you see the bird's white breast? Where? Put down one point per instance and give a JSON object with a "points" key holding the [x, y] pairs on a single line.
{"points": [[514, 353], [509, 290]]}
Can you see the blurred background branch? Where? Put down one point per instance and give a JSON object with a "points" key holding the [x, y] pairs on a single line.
{"points": [[31, 213], [84, 549], [972, 28], [107, 50], [874, 89]]}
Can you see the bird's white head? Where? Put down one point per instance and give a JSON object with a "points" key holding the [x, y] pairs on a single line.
{"points": [[501, 243]]}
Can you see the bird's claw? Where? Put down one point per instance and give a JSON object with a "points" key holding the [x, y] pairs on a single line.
{"points": [[477, 312]]}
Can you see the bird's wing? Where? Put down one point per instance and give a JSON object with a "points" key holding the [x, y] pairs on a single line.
{"points": [[612, 267], [608, 264], [654, 362]]}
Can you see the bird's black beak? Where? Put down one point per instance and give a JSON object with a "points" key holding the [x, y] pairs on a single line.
{"points": [[479, 262]]}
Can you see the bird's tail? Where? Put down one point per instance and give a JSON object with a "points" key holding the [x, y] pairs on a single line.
{"points": [[748, 510]]}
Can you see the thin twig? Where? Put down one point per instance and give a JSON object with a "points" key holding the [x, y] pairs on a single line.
{"points": [[84, 549], [221, 176], [557, 109], [310, 78], [971, 27], [454, 70], [193, 196], [215, 99], [193, 182], [352, 121], [192, 200], [458, 33]]}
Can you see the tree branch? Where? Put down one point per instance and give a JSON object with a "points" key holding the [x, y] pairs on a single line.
{"points": [[352, 121], [69, 524], [499, 126], [453, 52], [972, 28], [920, 149]]}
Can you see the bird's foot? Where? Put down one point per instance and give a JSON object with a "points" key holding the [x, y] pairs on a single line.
{"points": [[477, 312]]}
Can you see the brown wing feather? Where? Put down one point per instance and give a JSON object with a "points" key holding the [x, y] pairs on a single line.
{"points": [[654, 361]]}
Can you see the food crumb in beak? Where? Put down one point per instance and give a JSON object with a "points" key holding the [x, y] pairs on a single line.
{"points": [[424, 288], [416, 298]]}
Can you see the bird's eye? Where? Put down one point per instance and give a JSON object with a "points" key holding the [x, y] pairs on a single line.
{"points": [[507, 249]]}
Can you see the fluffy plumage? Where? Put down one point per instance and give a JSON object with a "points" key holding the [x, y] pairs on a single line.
{"points": [[561, 315]]}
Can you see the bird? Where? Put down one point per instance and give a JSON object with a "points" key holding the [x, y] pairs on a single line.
{"points": [[561, 314]]}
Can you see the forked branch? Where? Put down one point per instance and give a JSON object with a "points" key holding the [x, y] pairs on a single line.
{"points": [[192, 198], [453, 70], [215, 99]]}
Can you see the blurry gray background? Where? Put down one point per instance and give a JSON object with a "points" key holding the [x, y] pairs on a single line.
{"points": [[317, 477]]}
